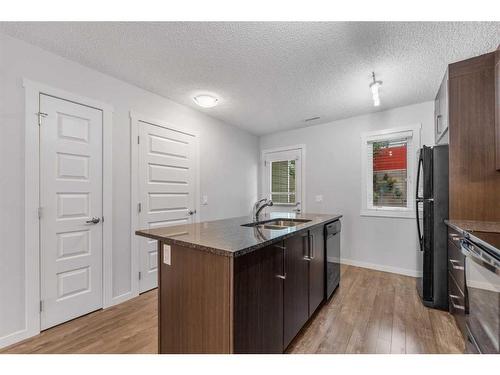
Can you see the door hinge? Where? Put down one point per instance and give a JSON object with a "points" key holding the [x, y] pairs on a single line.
{"points": [[138, 140], [139, 207], [41, 306], [40, 116], [140, 275], [39, 212], [265, 163]]}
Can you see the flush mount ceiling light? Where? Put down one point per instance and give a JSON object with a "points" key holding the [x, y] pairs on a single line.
{"points": [[374, 86], [206, 101]]}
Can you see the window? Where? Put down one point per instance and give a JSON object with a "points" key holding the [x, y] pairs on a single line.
{"points": [[389, 162], [283, 186], [282, 178], [390, 175]]}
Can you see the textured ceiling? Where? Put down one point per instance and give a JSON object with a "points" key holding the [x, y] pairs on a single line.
{"points": [[271, 76]]}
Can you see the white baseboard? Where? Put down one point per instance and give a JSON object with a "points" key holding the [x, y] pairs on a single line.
{"points": [[121, 298], [15, 337], [381, 267]]}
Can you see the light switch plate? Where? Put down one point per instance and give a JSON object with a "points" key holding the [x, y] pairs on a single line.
{"points": [[204, 200], [166, 254], [319, 198]]}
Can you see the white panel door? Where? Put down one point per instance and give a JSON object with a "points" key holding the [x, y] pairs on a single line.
{"points": [[282, 180], [167, 189], [70, 197]]}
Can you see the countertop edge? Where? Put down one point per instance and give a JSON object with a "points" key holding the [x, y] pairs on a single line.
{"points": [[470, 235], [237, 253]]}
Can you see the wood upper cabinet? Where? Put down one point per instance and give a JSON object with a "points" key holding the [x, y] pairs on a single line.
{"points": [[441, 113], [296, 288], [497, 109], [474, 138], [258, 301], [316, 268]]}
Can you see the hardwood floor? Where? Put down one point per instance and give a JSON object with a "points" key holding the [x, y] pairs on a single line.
{"points": [[371, 312], [131, 327], [377, 312]]}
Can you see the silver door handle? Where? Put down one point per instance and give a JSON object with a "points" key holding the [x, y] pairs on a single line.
{"points": [[94, 220], [191, 212]]}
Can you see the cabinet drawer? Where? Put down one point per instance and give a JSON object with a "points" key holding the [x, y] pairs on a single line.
{"points": [[456, 303], [456, 264]]}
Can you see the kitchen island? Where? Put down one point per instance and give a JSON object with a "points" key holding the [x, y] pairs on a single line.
{"points": [[231, 286]]}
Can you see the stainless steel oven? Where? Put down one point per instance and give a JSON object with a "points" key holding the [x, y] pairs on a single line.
{"points": [[482, 278]]}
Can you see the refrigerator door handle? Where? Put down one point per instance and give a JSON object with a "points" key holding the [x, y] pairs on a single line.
{"points": [[417, 201], [419, 230], [419, 168]]}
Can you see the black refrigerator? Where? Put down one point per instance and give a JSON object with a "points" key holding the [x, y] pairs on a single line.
{"points": [[431, 210]]}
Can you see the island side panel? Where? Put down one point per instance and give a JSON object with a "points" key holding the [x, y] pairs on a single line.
{"points": [[195, 302]]}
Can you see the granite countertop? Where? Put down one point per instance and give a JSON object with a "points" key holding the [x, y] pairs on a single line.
{"points": [[486, 233], [227, 237], [474, 226]]}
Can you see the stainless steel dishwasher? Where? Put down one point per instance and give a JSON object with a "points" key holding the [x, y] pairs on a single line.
{"points": [[332, 264]]}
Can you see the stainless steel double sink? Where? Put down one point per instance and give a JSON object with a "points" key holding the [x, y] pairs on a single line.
{"points": [[277, 224]]}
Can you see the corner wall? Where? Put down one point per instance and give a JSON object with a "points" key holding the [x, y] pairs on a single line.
{"points": [[333, 169], [228, 163]]}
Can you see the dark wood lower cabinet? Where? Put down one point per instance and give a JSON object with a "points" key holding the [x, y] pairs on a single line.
{"points": [[316, 268], [457, 301], [296, 289], [258, 301]]}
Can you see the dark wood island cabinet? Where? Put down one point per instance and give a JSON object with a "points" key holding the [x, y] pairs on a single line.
{"points": [[258, 301], [227, 288]]}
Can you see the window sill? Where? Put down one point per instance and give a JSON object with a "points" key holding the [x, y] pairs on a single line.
{"points": [[389, 213]]}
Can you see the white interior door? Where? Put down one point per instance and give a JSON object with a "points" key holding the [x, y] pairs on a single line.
{"points": [[70, 198], [167, 189], [282, 180]]}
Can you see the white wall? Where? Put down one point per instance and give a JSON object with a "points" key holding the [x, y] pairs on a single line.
{"points": [[333, 169], [228, 161]]}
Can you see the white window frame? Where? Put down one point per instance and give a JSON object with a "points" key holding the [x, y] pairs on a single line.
{"points": [[276, 193], [411, 131], [270, 151]]}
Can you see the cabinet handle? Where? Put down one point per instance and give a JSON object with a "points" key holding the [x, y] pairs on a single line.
{"points": [[453, 265], [438, 129], [307, 250], [283, 265], [312, 252]]}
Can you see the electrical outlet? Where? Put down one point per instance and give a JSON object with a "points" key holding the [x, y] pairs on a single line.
{"points": [[319, 198], [166, 254]]}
